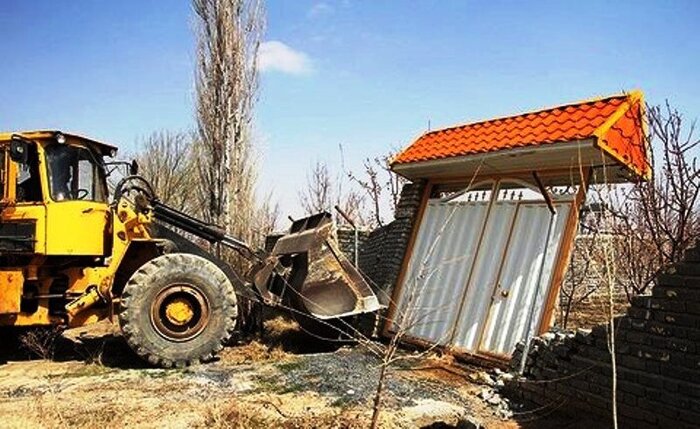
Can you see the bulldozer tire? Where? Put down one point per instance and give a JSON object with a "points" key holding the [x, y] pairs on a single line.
{"points": [[177, 310]]}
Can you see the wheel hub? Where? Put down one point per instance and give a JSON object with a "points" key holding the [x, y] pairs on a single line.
{"points": [[180, 312]]}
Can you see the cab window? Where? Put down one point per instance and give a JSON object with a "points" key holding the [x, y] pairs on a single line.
{"points": [[74, 174], [28, 181]]}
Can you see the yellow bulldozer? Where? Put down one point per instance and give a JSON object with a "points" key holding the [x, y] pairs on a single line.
{"points": [[71, 255]]}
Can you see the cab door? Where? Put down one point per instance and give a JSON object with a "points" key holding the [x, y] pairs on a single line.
{"points": [[23, 212], [77, 210]]}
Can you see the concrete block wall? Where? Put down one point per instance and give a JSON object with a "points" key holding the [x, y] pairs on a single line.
{"points": [[657, 353], [383, 250]]}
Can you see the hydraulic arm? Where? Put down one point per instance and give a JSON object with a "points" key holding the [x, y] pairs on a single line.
{"points": [[306, 268], [185, 222]]}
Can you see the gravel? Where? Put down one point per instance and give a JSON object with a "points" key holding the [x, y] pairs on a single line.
{"points": [[351, 376]]}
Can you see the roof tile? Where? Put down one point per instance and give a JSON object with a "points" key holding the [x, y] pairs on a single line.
{"points": [[559, 124]]}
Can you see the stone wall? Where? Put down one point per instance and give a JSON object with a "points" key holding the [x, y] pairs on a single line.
{"points": [[657, 353]]}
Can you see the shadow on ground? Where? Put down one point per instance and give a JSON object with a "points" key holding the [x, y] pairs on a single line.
{"points": [[107, 349], [102, 343]]}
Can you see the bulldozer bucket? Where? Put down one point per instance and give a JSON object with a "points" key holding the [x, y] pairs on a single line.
{"points": [[307, 270]]}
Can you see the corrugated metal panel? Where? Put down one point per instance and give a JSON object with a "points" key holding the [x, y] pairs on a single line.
{"points": [[488, 316], [485, 270], [439, 266], [518, 283]]}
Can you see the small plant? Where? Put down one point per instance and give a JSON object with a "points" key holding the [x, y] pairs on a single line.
{"points": [[92, 354], [41, 342]]}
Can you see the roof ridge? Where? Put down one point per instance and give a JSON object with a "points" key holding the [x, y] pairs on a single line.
{"points": [[623, 94]]}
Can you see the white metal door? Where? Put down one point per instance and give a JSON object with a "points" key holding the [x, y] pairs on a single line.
{"points": [[484, 272], [436, 275], [519, 289], [472, 277]]}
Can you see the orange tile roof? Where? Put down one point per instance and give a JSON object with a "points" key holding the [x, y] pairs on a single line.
{"points": [[615, 122]]}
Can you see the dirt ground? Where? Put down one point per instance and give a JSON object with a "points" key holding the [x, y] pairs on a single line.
{"points": [[283, 379]]}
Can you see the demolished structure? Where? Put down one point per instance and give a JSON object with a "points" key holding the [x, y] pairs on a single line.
{"points": [[657, 351], [482, 236]]}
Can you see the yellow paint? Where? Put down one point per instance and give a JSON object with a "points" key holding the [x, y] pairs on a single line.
{"points": [[12, 282], [79, 242], [49, 134], [76, 228], [86, 300], [88, 317], [179, 311], [633, 98]]}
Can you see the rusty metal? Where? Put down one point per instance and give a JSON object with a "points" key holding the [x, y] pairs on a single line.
{"points": [[168, 323], [545, 193], [308, 261]]}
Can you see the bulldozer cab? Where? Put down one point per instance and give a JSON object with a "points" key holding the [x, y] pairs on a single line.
{"points": [[54, 195]]}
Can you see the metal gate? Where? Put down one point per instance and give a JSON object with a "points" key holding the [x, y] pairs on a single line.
{"points": [[481, 267]]}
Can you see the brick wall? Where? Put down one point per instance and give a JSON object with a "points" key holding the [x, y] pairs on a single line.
{"points": [[346, 241], [658, 360]]}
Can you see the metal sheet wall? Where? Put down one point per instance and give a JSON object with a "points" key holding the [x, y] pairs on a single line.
{"points": [[518, 290], [437, 273], [474, 291]]}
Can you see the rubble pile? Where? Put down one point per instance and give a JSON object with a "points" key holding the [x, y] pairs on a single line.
{"points": [[492, 382]]}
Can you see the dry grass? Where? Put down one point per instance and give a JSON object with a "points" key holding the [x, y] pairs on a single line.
{"points": [[272, 346], [292, 414], [278, 327], [41, 342], [254, 351]]}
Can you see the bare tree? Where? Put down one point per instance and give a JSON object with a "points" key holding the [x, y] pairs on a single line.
{"points": [[317, 196], [659, 219], [649, 224], [229, 33], [410, 312], [378, 182], [352, 203], [166, 160], [266, 220], [323, 192], [577, 287]]}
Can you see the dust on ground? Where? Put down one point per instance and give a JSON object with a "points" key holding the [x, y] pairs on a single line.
{"points": [[282, 379]]}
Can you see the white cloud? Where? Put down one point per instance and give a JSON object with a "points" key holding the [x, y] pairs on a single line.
{"points": [[277, 56], [319, 9]]}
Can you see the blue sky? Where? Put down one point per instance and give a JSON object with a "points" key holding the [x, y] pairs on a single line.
{"points": [[369, 75]]}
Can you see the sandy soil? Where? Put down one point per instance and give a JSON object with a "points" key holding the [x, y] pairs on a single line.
{"points": [[273, 382]]}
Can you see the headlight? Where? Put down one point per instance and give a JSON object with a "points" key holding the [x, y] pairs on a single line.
{"points": [[60, 138]]}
